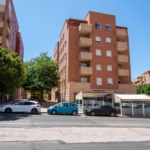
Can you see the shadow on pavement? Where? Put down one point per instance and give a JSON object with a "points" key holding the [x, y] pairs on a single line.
{"points": [[13, 117]]}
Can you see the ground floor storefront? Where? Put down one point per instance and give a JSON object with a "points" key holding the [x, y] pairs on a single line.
{"points": [[128, 104]]}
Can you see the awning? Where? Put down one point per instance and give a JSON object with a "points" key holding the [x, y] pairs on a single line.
{"points": [[137, 98]]}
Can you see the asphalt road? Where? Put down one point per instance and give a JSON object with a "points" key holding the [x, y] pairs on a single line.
{"points": [[47, 121], [59, 145]]}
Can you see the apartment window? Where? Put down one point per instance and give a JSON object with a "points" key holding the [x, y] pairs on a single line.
{"points": [[109, 67], [98, 39], [84, 65], [99, 81], [108, 53], [98, 52], [107, 26], [84, 80], [108, 40], [98, 67], [110, 81], [97, 26], [65, 43], [1, 16]]}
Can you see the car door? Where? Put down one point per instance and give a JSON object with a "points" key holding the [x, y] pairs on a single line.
{"points": [[18, 107], [59, 108], [101, 111], [27, 107]]}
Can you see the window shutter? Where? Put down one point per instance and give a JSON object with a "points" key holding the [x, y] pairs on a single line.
{"points": [[108, 40], [108, 53], [110, 81], [98, 67], [98, 39], [98, 52], [109, 67], [99, 81]]}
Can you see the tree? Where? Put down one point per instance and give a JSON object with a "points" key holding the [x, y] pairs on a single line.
{"points": [[41, 74], [145, 88], [12, 72]]}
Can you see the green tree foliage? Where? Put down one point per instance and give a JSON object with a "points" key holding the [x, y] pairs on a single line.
{"points": [[41, 74], [145, 88], [12, 72]]}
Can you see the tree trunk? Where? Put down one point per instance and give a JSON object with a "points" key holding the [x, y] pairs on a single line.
{"points": [[41, 94]]}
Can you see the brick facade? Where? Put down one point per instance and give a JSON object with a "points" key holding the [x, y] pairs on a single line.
{"points": [[70, 47]]}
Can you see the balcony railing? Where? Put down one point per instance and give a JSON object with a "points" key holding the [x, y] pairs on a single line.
{"points": [[8, 30], [85, 42], [0, 39], [1, 24], [85, 56], [2, 9], [86, 71], [123, 72], [122, 59], [7, 43], [121, 33], [85, 28], [121, 46]]}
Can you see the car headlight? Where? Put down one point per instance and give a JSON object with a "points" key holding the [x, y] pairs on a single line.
{"points": [[89, 110]]}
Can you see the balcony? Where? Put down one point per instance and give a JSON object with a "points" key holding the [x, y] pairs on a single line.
{"points": [[121, 46], [123, 72], [85, 56], [121, 33], [8, 30], [85, 42], [0, 39], [2, 8], [122, 59], [86, 71], [7, 43], [85, 28], [1, 24]]}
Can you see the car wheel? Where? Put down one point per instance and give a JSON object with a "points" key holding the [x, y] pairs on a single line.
{"points": [[112, 114], [54, 112], [34, 111], [8, 111], [93, 113], [74, 113]]}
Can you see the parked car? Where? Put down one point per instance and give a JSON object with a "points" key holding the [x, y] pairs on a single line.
{"points": [[103, 110], [63, 108], [22, 106]]}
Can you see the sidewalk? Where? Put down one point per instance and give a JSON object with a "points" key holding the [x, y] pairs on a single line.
{"points": [[43, 110]]}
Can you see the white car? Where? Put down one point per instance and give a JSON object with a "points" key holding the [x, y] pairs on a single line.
{"points": [[22, 106]]}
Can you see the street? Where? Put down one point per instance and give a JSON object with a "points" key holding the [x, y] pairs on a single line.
{"points": [[45, 120], [44, 131]]}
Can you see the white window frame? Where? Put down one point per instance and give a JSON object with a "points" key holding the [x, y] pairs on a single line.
{"points": [[110, 81], [98, 67], [109, 53], [109, 67], [99, 81], [98, 52], [97, 25], [108, 40], [98, 39], [84, 80], [107, 27]]}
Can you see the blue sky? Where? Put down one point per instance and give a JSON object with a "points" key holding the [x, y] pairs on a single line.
{"points": [[41, 21]]}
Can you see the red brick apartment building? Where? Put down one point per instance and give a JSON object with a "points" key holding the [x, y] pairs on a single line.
{"points": [[93, 54], [10, 37], [144, 78]]}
